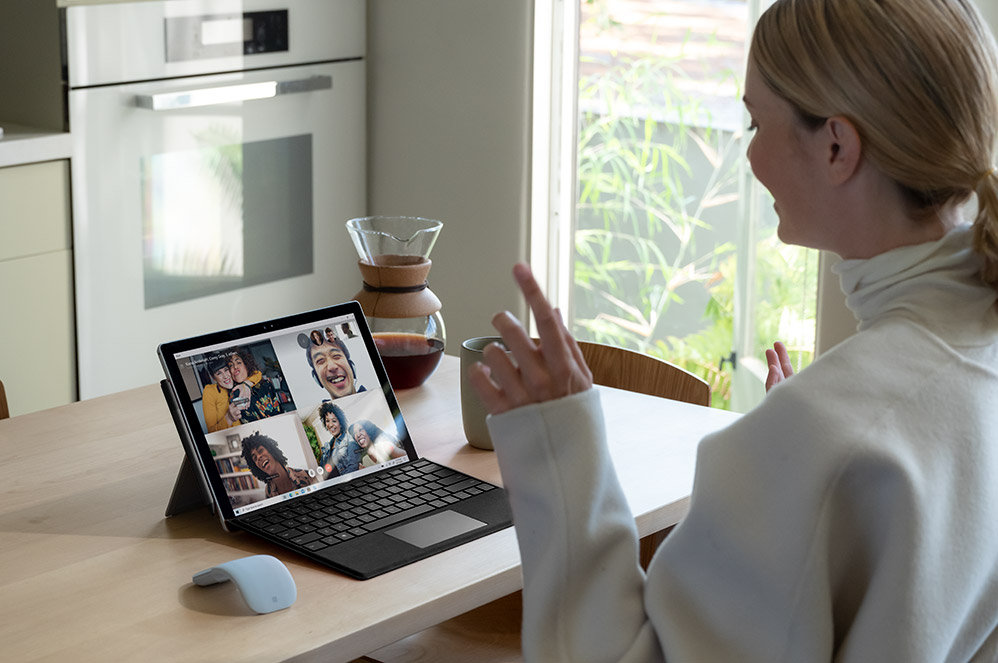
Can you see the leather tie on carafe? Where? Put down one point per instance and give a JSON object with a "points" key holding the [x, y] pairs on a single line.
{"points": [[396, 287]]}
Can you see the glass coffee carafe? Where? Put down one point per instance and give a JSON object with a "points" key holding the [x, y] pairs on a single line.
{"points": [[402, 311]]}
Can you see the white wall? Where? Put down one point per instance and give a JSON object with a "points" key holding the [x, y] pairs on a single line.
{"points": [[449, 138], [990, 10]]}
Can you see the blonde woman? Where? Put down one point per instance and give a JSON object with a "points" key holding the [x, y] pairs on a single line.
{"points": [[218, 413], [852, 516]]}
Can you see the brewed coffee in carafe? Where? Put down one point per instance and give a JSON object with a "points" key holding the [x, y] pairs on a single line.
{"points": [[404, 314]]}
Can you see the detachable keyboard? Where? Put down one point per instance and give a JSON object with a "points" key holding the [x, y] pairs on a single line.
{"points": [[367, 504]]}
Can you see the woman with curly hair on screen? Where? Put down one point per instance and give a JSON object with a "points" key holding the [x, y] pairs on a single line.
{"points": [[268, 463]]}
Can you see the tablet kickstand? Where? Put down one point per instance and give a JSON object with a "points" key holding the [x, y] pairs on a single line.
{"points": [[188, 490]]}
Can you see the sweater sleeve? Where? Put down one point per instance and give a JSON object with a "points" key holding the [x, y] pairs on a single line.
{"points": [[718, 589], [215, 404], [583, 586]]}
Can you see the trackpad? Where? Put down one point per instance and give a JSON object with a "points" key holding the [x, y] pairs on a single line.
{"points": [[436, 528]]}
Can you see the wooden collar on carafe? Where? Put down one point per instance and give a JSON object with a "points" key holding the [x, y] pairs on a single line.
{"points": [[396, 287]]}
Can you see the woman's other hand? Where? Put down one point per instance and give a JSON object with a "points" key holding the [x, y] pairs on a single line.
{"points": [[780, 368], [542, 370]]}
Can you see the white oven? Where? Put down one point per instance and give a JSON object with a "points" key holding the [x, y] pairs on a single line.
{"points": [[218, 149]]}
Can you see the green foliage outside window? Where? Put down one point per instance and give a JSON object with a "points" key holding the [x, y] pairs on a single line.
{"points": [[658, 207]]}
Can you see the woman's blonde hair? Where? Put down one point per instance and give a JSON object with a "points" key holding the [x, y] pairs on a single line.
{"points": [[918, 79]]}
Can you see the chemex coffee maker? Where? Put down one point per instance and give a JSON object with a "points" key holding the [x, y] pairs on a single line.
{"points": [[402, 311]]}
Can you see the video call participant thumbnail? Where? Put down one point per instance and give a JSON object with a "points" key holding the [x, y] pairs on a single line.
{"points": [[254, 397], [215, 396], [341, 455], [268, 463], [331, 366]]}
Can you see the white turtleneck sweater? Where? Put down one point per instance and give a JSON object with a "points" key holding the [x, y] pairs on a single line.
{"points": [[852, 516]]}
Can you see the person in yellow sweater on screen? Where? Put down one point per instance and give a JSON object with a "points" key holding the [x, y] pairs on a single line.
{"points": [[219, 411]]}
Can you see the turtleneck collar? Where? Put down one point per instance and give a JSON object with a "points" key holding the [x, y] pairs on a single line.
{"points": [[934, 284]]}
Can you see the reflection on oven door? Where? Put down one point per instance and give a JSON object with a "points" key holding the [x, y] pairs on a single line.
{"points": [[223, 217]]}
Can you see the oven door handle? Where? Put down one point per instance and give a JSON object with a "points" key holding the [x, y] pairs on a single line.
{"points": [[228, 94]]}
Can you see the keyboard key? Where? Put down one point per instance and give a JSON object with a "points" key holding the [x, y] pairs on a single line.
{"points": [[461, 485], [306, 538]]}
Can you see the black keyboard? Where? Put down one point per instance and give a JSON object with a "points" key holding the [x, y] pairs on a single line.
{"points": [[324, 518]]}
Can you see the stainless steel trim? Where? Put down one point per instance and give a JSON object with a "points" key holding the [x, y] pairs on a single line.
{"points": [[126, 42], [227, 94]]}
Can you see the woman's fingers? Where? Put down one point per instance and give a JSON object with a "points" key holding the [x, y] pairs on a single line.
{"points": [[504, 373], [583, 373], [784, 359], [531, 375], [491, 395], [780, 367], [775, 375], [555, 352], [516, 338], [532, 371]]}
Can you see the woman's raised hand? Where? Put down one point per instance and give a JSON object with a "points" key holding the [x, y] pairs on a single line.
{"points": [[780, 368], [542, 370]]}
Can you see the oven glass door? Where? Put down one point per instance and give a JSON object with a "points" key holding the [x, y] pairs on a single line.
{"points": [[209, 216], [209, 202]]}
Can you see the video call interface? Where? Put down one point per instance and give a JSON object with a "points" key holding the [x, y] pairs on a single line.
{"points": [[284, 415]]}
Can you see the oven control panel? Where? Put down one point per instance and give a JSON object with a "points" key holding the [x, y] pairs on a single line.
{"points": [[225, 35], [109, 43]]}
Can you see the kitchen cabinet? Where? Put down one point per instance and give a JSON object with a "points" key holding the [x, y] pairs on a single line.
{"points": [[37, 335]]}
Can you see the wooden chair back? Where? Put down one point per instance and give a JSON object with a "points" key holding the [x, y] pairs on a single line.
{"points": [[491, 633], [4, 411], [633, 371]]}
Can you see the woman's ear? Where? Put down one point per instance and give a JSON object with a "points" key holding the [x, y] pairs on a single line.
{"points": [[844, 148]]}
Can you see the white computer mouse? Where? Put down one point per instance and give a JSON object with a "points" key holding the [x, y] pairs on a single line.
{"points": [[263, 580]]}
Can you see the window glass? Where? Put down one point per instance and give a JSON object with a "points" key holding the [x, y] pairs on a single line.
{"points": [[675, 252]]}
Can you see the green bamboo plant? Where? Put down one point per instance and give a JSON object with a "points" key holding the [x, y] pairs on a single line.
{"points": [[651, 172], [641, 210]]}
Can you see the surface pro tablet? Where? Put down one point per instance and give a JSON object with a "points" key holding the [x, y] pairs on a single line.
{"points": [[292, 430]]}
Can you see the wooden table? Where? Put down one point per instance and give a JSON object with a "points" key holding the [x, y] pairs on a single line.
{"points": [[91, 570]]}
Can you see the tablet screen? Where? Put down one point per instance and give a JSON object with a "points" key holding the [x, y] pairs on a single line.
{"points": [[286, 407]]}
